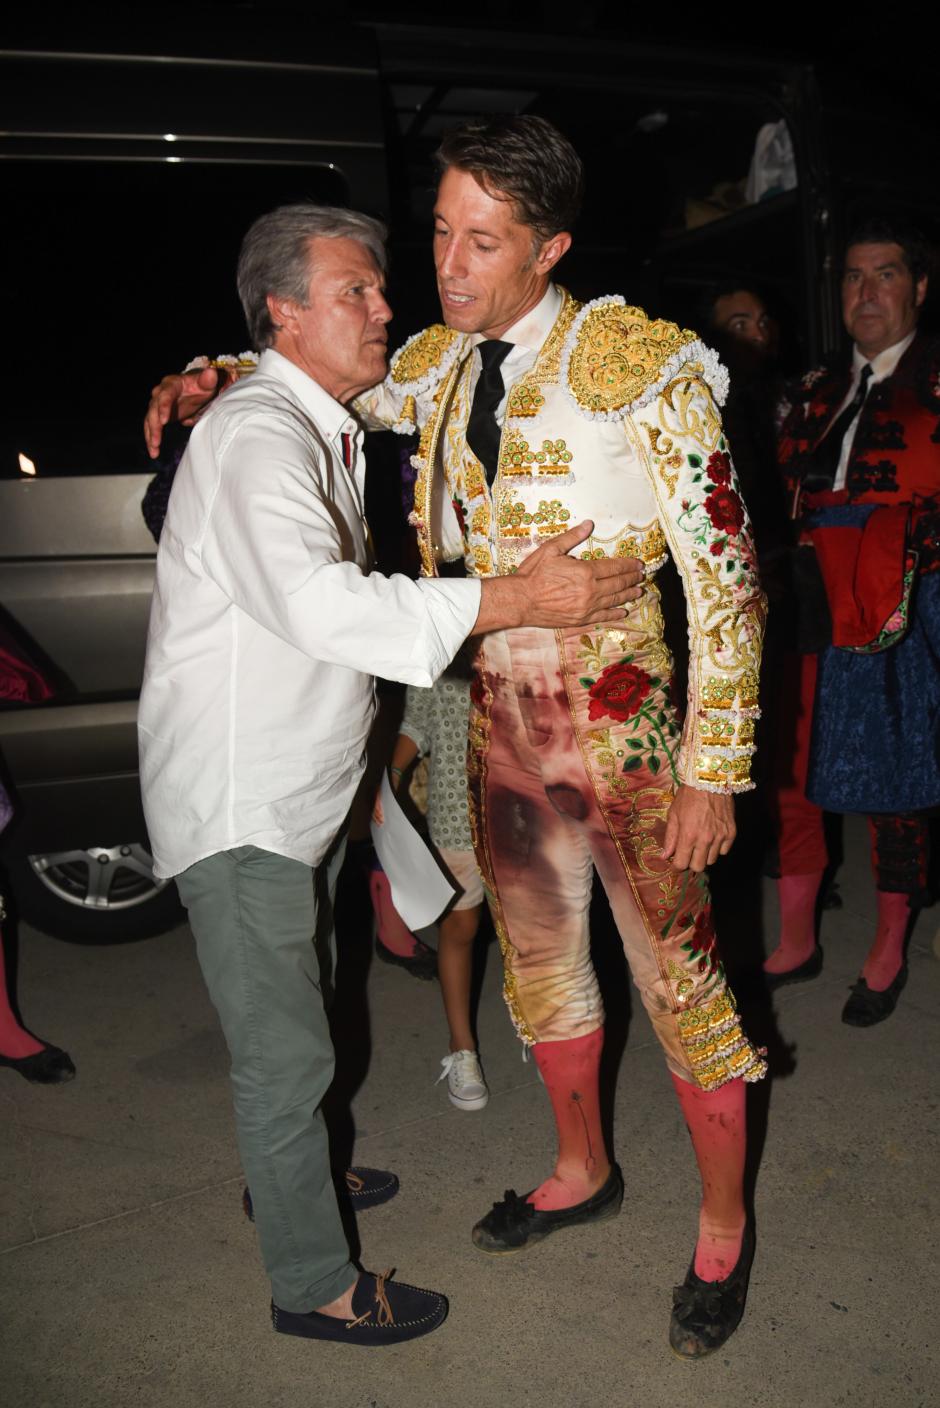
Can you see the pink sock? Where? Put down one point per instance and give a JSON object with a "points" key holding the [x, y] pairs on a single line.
{"points": [[392, 930], [887, 952], [797, 897], [570, 1070], [717, 1125], [14, 1041]]}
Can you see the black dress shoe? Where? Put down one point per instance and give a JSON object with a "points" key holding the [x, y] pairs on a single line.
{"points": [[706, 1313], [384, 1312], [866, 1008], [515, 1224], [50, 1066], [422, 963], [802, 973], [364, 1187]]}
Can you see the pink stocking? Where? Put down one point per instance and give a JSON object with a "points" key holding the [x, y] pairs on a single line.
{"points": [[393, 933], [14, 1041], [716, 1122], [887, 952], [570, 1070], [797, 897]]}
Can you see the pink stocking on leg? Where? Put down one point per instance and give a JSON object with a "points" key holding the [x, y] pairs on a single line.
{"points": [[570, 1070], [887, 952], [392, 930], [797, 897], [14, 1041], [716, 1123]]}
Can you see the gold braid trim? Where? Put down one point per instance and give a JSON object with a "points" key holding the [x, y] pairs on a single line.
{"points": [[422, 355], [717, 1048]]}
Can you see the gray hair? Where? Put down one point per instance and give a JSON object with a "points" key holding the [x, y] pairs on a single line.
{"points": [[275, 257]]}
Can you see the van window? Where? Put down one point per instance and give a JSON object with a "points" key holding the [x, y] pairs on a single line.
{"points": [[117, 271]]}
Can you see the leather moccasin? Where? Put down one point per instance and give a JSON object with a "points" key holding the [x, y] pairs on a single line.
{"points": [[368, 1187], [865, 1007], [384, 1312], [515, 1224], [706, 1313], [50, 1066], [364, 1187], [802, 973]]}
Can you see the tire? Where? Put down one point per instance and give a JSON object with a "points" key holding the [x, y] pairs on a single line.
{"points": [[96, 895]]}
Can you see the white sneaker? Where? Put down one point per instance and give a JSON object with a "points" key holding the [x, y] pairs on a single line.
{"points": [[466, 1086]]}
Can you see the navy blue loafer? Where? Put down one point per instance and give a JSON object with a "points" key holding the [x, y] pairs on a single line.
{"points": [[364, 1187], [384, 1312]]}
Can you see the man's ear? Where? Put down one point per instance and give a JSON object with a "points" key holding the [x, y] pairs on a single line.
{"points": [[920, 291], [551, 251], [282, 312]]}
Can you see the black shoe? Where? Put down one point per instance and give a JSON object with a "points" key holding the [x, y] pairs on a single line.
{"points": [[515, 1224], [422, 963], [364, 1187], [384, 1312], [802, 973], [866, 1008], [50, 1066], [368, 1187], [706, 1313]]}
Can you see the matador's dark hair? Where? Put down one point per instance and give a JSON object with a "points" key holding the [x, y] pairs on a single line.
{"points": [[525, 159]]}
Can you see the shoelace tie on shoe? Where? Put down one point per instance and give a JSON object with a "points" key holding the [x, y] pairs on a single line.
{"points": [[384, 1316], [354, 1183]]}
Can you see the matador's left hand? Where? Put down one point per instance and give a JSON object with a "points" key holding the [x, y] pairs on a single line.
{"points": [[700, 828]]}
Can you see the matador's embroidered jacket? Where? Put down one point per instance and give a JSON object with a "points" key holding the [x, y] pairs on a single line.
{"points": [[618, 422]]}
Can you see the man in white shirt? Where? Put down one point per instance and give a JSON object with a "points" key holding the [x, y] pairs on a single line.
{"points": [[860, 449], [529, 407], [266, 630]]}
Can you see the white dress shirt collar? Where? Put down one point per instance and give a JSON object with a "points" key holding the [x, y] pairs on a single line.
{"points": [[532, 328], [329, 414], [884, 364]]}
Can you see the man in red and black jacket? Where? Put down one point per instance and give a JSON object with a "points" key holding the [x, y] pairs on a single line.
{"points": [[860, 454]]}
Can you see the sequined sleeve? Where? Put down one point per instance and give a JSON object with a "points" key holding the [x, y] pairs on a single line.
{"points": [[706, 524]]}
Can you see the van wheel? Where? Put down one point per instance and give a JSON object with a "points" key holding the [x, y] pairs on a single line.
{"points": [[97, 895]]}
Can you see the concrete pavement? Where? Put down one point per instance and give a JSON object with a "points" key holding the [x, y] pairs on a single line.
{"points": [[128, 1275]]}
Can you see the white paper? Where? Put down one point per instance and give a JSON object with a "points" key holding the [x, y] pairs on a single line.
{"points": [[420, 891]]}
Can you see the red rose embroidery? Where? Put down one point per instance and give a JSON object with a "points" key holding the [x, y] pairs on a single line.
{"points": [[619, 691], [718, 547], [461, 517], [725, 510], [702, 943], [718, 468]]}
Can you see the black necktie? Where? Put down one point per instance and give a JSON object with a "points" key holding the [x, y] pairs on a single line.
{"points": [[825, 460], [482, 430]]}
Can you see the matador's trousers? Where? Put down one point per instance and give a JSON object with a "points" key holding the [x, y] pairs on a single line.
{"points": [[572, 737]]}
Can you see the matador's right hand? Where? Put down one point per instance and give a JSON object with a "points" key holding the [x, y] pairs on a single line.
{"points": [[178, 397]]}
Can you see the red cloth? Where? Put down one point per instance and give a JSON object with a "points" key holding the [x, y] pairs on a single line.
{"points": [[863, 568]]}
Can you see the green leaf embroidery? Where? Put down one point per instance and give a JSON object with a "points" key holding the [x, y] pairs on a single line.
{"points": [[632, 764]]}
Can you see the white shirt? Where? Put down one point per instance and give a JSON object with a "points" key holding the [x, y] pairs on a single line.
{"points": [[267, 627], [527, 336], [882, 366]]}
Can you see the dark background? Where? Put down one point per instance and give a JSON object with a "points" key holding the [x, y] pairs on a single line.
{"points": [[119, 261]]}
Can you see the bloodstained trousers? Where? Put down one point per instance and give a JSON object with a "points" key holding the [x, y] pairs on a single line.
{"points": [[564, 780]]}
